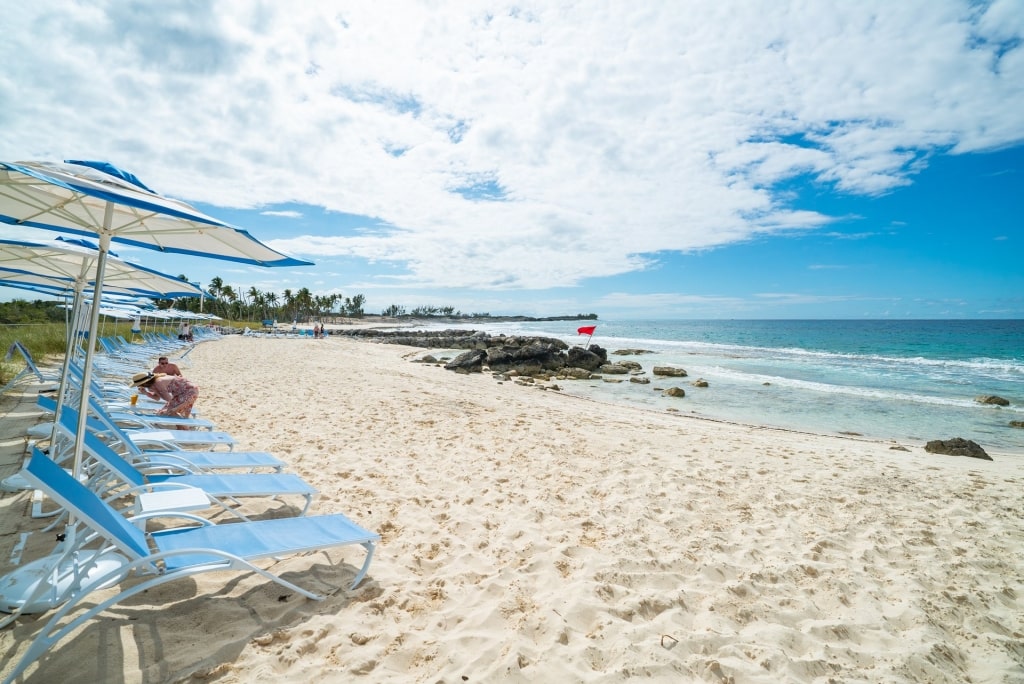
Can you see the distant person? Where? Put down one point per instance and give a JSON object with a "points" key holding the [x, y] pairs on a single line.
{"points": [[166, 367], [185, 331], [179, 394]]}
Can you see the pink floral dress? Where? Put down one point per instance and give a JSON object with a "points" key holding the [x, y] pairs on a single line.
{"points": [[183, 397]]}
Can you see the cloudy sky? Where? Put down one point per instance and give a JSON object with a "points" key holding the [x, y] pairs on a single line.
{"points": [[699, 159]]}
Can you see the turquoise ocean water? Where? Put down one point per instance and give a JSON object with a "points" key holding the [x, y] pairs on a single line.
{"points": [[901, 380]]}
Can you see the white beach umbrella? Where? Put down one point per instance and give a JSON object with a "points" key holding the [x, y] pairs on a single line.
{"points": [[69, 266], [97, 199]]}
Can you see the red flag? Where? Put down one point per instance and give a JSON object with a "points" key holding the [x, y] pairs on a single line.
{"points": [[586, 330]]}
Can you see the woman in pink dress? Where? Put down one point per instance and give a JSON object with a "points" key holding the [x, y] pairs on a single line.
{"points": [[178, 393]]}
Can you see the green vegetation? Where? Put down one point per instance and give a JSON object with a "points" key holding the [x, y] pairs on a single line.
{"points": [[254, 305], [399, 311], [42, 340]]}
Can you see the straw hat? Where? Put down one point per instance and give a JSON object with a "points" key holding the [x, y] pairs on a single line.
{"points": [[143, 378]]}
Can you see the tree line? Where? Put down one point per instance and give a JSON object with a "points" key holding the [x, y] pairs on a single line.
{"points": [[254, 304]]}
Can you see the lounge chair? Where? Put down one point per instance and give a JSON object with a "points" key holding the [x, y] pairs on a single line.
{"points": [[136, 420], [220, 488], [153, 438], [180, 551], [192, 461]]}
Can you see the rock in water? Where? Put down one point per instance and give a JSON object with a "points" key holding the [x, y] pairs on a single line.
{"points": [[992, 400], [958, 446]]}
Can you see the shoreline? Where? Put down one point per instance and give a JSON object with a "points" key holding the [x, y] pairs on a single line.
{"points": [[530, 536], [572, 388]]}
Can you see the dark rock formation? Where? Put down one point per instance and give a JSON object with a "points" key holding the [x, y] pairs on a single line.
{"points": [[631, 352], [700, 382], [541, 357], [669, 371], [589, 359], [958, 446], [674, 392], [533, 357], [614, 369], [1017, 423], [467, 362], [993, 400]]}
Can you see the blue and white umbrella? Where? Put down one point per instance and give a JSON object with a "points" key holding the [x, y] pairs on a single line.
{"points": [[98, 200], [68, 267]]}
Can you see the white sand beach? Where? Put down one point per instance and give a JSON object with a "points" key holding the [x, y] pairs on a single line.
{"points": [[529, 536]]}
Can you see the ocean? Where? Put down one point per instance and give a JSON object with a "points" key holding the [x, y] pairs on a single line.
{"points": [[902, 380]]}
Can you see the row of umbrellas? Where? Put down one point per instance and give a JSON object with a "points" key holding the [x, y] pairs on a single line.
{"points": [[99, 201]]}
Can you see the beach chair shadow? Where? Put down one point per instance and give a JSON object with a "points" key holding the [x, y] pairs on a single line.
{"points": [[178, 552]]}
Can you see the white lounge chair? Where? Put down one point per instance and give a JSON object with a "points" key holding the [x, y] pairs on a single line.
{"points": [[222, 489], [179, 551], [191, 461]]}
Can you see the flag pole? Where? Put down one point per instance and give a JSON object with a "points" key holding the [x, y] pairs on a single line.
{"points": [[587, 330]]}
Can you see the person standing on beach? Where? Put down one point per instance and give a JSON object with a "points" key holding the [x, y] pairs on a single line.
{"points": [[166, 367], [179, 394]]}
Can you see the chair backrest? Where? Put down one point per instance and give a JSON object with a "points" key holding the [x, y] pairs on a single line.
{"points": [[85, 505], [95, 447], [120, 435], [27, 355], [49, 404]]}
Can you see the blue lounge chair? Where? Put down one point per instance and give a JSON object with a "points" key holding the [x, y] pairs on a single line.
{"points": [[179, 551], [221, 488], [185, 460]]}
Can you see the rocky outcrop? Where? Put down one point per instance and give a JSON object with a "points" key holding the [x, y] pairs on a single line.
{"points": [[669, 371], [589, 359], [1017, 423], [958, 446], [523, 356], [467, 362], [993, 400], [631, 352], [700, 382], [534, 356], [674, 392], [614, 369]]}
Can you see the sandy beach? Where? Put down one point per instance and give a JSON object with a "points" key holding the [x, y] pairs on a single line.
{"points": [[530, 536]]}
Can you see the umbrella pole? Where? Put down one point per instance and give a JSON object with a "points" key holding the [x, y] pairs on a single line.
{"points": [[72, 327], [83, 408]]}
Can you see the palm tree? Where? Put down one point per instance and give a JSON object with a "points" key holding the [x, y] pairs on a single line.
{"points": [[289, 304], [256, 297], [355, 305], [272, 301], [304, 301]]}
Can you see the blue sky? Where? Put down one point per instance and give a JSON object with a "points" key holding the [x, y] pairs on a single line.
{"points": [[711, 159]]}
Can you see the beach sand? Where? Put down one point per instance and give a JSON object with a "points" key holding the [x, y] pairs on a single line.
{"points": [[530, 536]]}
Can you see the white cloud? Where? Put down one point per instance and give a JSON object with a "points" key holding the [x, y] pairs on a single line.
{"points": [[283, 214], [608, 131]]}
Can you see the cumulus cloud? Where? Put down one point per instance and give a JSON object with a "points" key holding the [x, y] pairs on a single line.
{"points": [[501, 145]]}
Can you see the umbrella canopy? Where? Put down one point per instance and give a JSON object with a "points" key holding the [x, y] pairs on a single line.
{"points": [[77, 198], [96, 199], [67, 265]]}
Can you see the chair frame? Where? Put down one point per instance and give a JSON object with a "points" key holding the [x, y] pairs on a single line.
{"points": [[178, 557]]}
